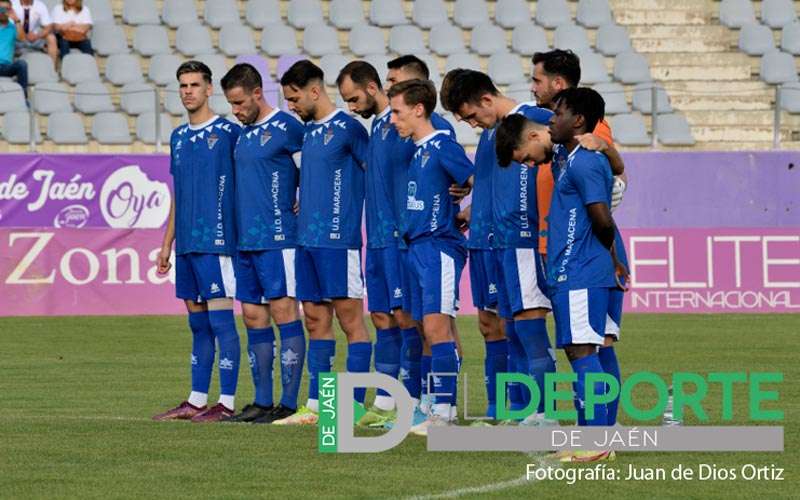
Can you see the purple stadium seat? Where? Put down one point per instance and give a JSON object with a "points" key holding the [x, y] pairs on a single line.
{"points": [[259, 63], [285, 62]]}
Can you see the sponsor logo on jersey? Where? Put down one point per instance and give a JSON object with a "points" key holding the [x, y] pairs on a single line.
{"points": [[328, 136], [213, 138], [265, 137]]}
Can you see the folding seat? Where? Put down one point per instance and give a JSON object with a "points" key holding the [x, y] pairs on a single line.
{"points": [[614, 95], [345, 14], [278, 40], [387, 13], [109, 38], [51, 97], [320, 39], [756, 39], [407, 39], [262, 13], [137, 98], [736, 13], [163, 67], [40, 68], [136, 12], [612, 39], [178, 12], [778, 13], [674, 130], [111, 128], [572, 37], [123, 68], [593, 68], [331, 64], [505, 68], [11, 97], [77, 67], [778, 67], [510, 13], [101, 11], [218, 13], [790, 39], [465, 61], [790, 97], [192, 39], [236, 39], [487, 39], [520, 92], [470, 13], [17, 127], [366, 39], [149, 40], [446, 39], [66, 128], [631, 67], [429, 13], [528, 38], [594, 13], [643, 98], [630, 130], [146, 128], [303, 13], [552, 13], [92, 97], [216, 63]]}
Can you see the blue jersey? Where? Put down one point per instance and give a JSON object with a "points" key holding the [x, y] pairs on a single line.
{"points": [[515, 213], [480, 223], [575, 257], [201, 164], [334, 155], [266, 182], [438, 162]]}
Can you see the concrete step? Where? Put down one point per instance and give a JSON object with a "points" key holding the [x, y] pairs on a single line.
{"points": [[720, 103], [656, 45], [699, 59], [620, 5], [745, 133], [709, 72], [667, 16], [760, 118]]}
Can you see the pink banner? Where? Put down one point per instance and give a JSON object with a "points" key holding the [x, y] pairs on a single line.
{"points": [[86, 271]]}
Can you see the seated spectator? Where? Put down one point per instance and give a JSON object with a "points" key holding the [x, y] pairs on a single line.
{"points": [[37, 26], [72, 21], [10, 32]]}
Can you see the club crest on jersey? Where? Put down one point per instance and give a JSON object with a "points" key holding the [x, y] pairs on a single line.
{"points": [[385, 131], [328, 136], [426, 155], [265, 137], [212, 140]]}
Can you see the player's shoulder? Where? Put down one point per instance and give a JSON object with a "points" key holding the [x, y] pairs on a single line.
{"points": [[440, 123], [534, 113], [227, 126], [344, 121], [178, 132], [588, 159]]}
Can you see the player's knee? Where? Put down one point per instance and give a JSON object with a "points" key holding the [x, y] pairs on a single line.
{"points": [[284, 311], [404, 320], [382, 320], [578, 351], [538, 313]]}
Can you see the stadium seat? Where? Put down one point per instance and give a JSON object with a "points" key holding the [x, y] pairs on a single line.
{"points": [[630, 130], [446, 39], [149, 40], [123, 68], [272, 92], [790, 38], [11, 97], [178, 12], [505, 68], [304, 13], [614, 95], [163, 67], [66, 128], [379, 61], [572, 37], [216, 63], [278, 40], [101, 11], [136, 12], [552, 13], [432, 62], [407, 39], [109, 38], [218, 103], [465, 61], [593, 68], [51, 97], [77, 67], [92, 97], [146, 128], [260, 64], [40, 68], [285, 62], [137, 98], [673, 130], [345, 14], [520, 92], [262, 13], [643, 98], [528, 38], [429, 13], [487, 39], [778, 13], [386, 13], [17, 127], [331, 64], [236, 40], [790, 97], [594, 13], [778, 67], [470, 13], [612, 39], [172, 100], [736, 13], [366, 39], [192, 39], [631, 67], [756, 39], [510, 13], [320, 39], [111, 128], [218, 13], [467, 136]]}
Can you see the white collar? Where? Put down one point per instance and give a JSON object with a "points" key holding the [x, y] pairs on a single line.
{"points": [[572, 154], [327, 118], [203, 125], [383, 113], [267, 118], [430, 136]]}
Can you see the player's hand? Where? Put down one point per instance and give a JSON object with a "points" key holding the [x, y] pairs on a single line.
{"points": [[296, 207], [462, 219], [621, 275], [592, 142], [617, 191], [459, 192], [164, 265]]}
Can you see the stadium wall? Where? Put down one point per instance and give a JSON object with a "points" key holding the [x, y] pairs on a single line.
{"points": [[705, 232]]}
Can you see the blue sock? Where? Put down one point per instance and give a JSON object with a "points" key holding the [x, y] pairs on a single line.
{"points": [[608, 359], [444, 359], [359, 355], [516, 358], [411, 357], [293, 354], [387, 353], [261, 351], [590, 364], [424, 371], [532, 334], [202, 351], [320, 358], [496, 356], [224, 327]]}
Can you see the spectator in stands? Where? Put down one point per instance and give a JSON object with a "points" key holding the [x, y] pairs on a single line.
{"points": [[72, 21], [37, 26], [10, 32]]}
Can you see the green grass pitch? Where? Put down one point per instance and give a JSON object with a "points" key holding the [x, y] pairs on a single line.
{"points": [[76, 396]]}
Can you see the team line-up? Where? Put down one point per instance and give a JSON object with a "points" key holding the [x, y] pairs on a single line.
{"points": [[270, 213]]}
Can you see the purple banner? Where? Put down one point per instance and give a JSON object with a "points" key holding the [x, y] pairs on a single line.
{"points": [[75, 191]]}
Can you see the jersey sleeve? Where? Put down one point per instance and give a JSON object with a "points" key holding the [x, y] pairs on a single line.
{"points": [[537, 115], [439, 123], [294, 137], [591, 178], [603, 131], [455, 162], [359, 143]]}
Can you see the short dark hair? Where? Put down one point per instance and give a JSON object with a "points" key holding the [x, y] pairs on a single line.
{"points": [[468, 87], [361, 73], [582, 101], [194, 67], [242, 75], [301, 74], [447, 83], [416, 92], [563, 63], [508, 137], [412, 64]]}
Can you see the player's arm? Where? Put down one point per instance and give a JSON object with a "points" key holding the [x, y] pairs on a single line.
{"points": [[463, 218], [164, 255]]}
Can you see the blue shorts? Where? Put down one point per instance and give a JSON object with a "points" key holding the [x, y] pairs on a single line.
{"points": [[483, 279], [581, 316], [614, 318], [204, 276], [265, 275], [435, 274], [405, 279], [523, 283], [384, 279], [324, 274]]}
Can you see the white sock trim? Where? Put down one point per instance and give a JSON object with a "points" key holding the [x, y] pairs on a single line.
{"points": [[442, 410], [198, 399], [313, 405], [227, 401], [385, 403]]}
